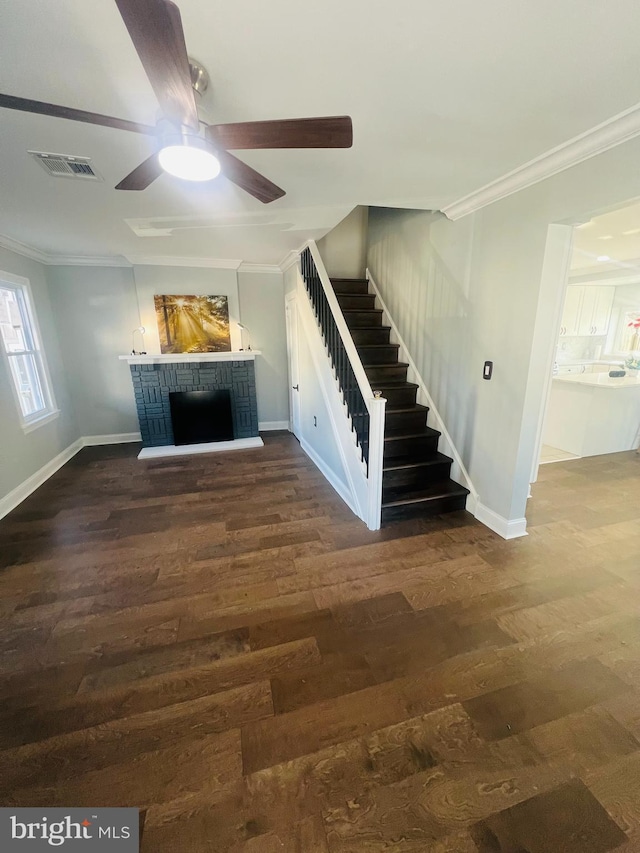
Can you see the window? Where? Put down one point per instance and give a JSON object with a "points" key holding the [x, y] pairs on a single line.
{"points": [[22, 348]]}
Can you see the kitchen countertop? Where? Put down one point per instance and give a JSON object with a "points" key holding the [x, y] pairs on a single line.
{"points": [[600, 380]]}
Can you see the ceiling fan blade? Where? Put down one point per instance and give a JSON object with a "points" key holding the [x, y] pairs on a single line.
{"points": [[11, 102], [248, 179], [143, 175], [156, 30], [328, 132]]}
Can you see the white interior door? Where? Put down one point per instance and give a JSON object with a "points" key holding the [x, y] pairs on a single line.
{"points": [[291, 312]]}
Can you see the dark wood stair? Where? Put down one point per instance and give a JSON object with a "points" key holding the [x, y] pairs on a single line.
{"points": [[416, 476]]}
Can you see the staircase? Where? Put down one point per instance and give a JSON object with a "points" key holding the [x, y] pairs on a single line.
{"points": [[415, 475]]}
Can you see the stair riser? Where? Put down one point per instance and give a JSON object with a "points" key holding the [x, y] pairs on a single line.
{"points": [[424, 509], [400, 396], [378, 355], [394, 373], [357, 319], [342, 285], [420, 445], [356, 300], [419, 477], [371, 336], [405, 420]]}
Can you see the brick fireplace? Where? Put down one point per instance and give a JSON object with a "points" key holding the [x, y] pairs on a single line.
{"points": [[155, 377]]}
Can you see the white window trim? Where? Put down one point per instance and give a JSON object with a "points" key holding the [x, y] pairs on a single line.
{"points": [[51, 412]]}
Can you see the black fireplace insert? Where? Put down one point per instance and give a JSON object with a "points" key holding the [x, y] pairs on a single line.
{"points": [[201, 416]]}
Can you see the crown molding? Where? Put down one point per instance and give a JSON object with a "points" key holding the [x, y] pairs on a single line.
{"points": [[22, 249], [87, 261], [622, 275], [271, 269], [143, 260], [60, 260], [169, 261], [614, 131], [290, 259]]}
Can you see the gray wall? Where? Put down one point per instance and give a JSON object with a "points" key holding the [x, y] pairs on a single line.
{"points": [[344, 248], [96, 308], [21, 455], [152, 280], [95, 311], [261, 297]]}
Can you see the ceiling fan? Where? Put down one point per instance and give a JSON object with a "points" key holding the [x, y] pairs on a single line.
{"points": [[189, 148]]}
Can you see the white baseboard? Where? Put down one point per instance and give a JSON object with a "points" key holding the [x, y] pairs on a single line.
{"points": [[505, 527], [340, 487], [20, 493], [207, 447], [114, 438], [472, 503], [265, 426]]}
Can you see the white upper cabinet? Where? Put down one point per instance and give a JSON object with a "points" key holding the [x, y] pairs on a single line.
{"points": [[571, 312], [587, 307], [587, 311], [602, 309]]}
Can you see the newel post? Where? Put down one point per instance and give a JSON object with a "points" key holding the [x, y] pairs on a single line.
{"points": [[376, 407]]}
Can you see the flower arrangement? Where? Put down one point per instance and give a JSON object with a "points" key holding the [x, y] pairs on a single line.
{"points": [[633, 361]]}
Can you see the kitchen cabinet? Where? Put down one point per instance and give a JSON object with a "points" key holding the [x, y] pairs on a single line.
{"points": [[602, 309], [571, 312], [592, 414], [587, 311]]}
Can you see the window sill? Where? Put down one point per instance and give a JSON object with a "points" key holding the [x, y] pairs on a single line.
{"points": [[30, 426]]}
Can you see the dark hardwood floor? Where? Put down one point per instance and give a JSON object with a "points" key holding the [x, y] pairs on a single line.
{"points": [[217, 641]]}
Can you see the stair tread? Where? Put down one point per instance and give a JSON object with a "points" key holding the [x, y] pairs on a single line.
{"points": [[412, 460], [415, 407], [423, 432], [394, 386], [396, 463], [359, 280], [346, 293], [400, 495], [377, 346], [387, 364]]}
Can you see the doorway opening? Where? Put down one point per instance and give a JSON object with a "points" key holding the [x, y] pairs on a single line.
{"points": [[593, 396]]}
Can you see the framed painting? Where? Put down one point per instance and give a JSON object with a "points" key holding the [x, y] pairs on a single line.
{"points": [[193, 323]]}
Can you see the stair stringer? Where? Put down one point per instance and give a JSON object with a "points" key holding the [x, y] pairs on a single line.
{"points": [[354, 490], [459, 472]]}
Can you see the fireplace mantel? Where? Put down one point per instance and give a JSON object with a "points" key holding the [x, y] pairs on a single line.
{"points": [[184, 357]]}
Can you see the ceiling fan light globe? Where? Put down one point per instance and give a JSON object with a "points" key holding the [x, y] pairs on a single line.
{"points": [[189, 162]]}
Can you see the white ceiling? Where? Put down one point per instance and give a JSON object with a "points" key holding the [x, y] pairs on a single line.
{"points": [[614, 235], [445, 95]]}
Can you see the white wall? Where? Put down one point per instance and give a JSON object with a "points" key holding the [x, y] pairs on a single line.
{"points": [[462, 292], [261, 298], [315, 423], [22, 455], [344, 248], [95, 311]]}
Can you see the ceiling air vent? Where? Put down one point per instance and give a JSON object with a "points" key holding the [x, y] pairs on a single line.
{"points": [[66, 166]]}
